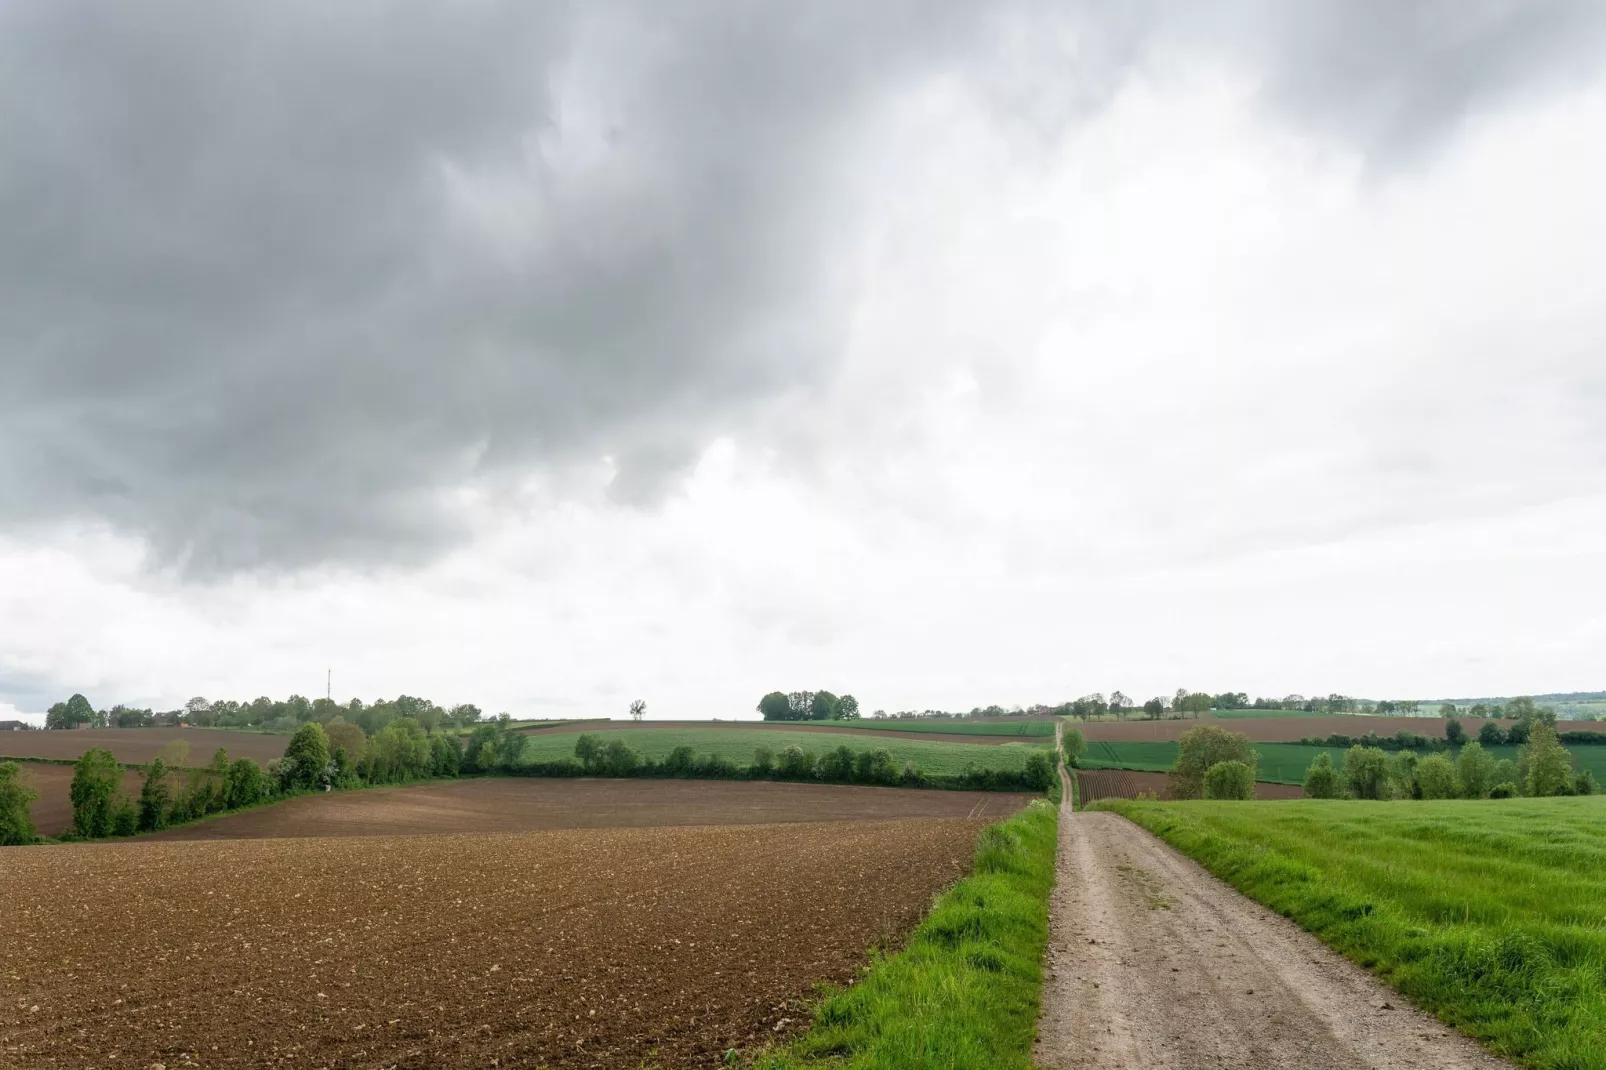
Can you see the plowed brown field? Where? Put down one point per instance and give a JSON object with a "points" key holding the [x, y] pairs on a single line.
{"points": [[52, 811], [140, 745], [585, 948], [521, 804], [1293, 729], [1095, 784]]}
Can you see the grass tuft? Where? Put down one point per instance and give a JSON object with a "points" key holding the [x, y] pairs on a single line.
{"points": [[963, 995]]}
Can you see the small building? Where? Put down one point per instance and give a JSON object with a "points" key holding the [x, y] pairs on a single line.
{"points": [[14, 726]]}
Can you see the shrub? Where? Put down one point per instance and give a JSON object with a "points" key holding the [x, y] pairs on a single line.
{"points": [[155, 797], [1202, 747], [795, 762], [1229, 780], [1435, 777], [1454, 734], [763, 762], [246, 784], [1503, 790], [911, 774], [1490, 734], [1321, 779], [680, 761], [16, 826], [1366, 772], [588, 749], [1549, 766], [125, 817], [94, 786], [1039, 772], [836, 765], [1072, 743], [1518, 735], [445, 755], [619, 759], [875, 767], [1584, 783], [1402, 777], [716, 767], [1505, 772]]}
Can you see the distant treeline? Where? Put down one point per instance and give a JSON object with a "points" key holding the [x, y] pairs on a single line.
{"points": [[839, 765], [276, 715]]}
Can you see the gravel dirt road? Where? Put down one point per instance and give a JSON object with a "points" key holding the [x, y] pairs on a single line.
{"points": [[1155, 963]]}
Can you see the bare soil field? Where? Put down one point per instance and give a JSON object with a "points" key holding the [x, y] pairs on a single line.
{"points": [[140, 745], [1293, 729], [52, 811], [1095, 784], [778, 726], [582, 948], [1153, 962], [511, 804]]}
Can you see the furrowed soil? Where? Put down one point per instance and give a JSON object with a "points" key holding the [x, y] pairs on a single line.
{"points": [[1294, 729], [580, 948], [779, 726], [52, 811], [1155, 963], [139, 745], [519, 804], [1095, 784]]}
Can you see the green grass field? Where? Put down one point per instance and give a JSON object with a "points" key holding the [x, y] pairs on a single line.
{"points": [[1033, 729], [1492, 915], [964, 992], [1282, 763], [738, 744]]}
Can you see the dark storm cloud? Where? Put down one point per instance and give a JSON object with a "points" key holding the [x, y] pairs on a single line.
{"points": [[275, 279]]}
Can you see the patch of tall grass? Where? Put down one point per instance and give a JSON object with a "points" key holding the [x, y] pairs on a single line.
{"points": [[964, 992], [1491, 915]]}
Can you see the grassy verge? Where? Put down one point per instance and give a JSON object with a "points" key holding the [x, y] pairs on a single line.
{"points": [[1492, 915], [964, 992]]}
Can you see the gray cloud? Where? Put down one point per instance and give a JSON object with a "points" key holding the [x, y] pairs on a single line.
{"points": [[275, 279]]}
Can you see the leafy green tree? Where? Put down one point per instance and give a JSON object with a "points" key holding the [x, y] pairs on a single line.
{"points": [[836, 764], [1321, 779], [155, 797], [1366, 773], [1549, 766], [16, 825], [775, 707], [1448, 710], [1521, 708], [802, 703], [1153, 708], [1474, 771], [876, 766], [347, 737], [1490, 734], [847, 708], [1517, 735], [94, 787], [1584, 783], [763, 762], [306, 757], [1454, 733], [464, 714], [1038, 772], [1506, 772], [246, 784], [445, 755], [638, 709], [1072, 744], [794, 762], [1229, 780], [400, 751], [619, 759], [680, 761], [588, 749], [1203, 746], [125, 816], [823, 706], [1435, 777]]}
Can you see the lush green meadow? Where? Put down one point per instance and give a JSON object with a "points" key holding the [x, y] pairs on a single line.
{"points": [[965, 991], [1283, 763], [933, 758], [1032, 729], [1490, 914]]}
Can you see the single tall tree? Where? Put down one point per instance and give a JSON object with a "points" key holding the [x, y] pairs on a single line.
{"points": [[638, 709]]}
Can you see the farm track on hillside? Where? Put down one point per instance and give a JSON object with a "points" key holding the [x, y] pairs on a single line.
{"points": [[612, 948], [517, 804], [1155, 963]]}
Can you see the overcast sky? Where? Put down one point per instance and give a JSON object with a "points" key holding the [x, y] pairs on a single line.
{"points": [[547, 356]]}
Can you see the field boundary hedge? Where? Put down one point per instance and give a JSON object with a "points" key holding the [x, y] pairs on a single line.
{"points": [[965, 990]]}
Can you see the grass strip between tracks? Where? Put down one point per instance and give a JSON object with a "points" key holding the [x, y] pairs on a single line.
{"points": [[1491, 915], [964, 992]]}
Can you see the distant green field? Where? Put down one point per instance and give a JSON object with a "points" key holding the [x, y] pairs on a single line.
{"points": [[1281, 763], [1034, 729], [738, 744], [1488, 914]]}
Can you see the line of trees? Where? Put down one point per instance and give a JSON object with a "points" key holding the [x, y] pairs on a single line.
{"points": [[1543, 768], [808, 706], [277, 715], [593, 756]]}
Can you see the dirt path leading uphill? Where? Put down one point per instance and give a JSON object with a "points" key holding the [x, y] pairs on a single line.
{"points": [[1155, 963]]}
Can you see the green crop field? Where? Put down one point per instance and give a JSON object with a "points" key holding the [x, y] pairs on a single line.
{"points": [[738, 744], [1035, 729], [1283, 763], [1491, 915]]}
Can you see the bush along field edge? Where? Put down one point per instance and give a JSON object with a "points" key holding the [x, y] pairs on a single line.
{"points": [[965, 989]]}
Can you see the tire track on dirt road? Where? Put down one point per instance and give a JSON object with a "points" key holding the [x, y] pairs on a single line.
{"points": [[1153, 963]]}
